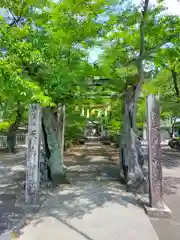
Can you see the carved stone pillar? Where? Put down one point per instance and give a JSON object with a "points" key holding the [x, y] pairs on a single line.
{"points": [[154, 147], [157, 206], [33, 152]]}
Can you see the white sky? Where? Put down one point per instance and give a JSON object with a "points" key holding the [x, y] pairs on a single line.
{"points": [[173, 5]]}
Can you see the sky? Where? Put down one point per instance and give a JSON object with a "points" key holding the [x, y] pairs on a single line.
{"points": [[173, 5], [173, 8]]}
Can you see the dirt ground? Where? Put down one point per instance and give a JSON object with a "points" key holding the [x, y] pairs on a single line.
{"points": [[80, 168], [12, 176]]}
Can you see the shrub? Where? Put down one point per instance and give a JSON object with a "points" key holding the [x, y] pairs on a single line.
{"points": [[4, 126]]}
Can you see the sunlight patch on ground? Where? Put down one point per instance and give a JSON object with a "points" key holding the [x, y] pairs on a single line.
{"points": [[18, 168], [95, 158]]}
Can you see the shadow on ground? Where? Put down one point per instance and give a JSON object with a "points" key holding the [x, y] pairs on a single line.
{"points": [[170, 229], [82, 168], [171, 185], [88, 193], [12, 173], [94, 177], [98, 163], [171, 171], [81, 198], [171, 158], [71, 203]]}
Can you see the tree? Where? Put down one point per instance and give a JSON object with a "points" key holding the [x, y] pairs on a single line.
{"points": [[132, 66], [124, 65], [46, 59]]}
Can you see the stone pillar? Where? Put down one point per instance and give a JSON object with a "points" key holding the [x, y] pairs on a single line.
{"points": [[61, 128], [157, 206], [33, 152]]}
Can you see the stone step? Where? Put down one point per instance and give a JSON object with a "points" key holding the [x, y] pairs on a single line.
{"points": [[92, 140], [91, 176]]}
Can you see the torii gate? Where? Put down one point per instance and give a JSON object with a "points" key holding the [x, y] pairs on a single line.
{"points": [[96, 110]]}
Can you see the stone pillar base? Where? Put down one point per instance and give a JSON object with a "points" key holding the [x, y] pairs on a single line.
{"points": [[162, 213], [20, 202]]}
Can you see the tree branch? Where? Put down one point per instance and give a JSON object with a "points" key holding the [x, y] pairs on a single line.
{"points": [[16, 20], [142, 43], [137, 88], [174, 78], [142, 49]]}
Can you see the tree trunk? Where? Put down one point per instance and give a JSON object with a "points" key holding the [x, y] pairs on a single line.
{"points": [[130, 147], [53, 150], [11, 135], [125, 140], [43, 160]]}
